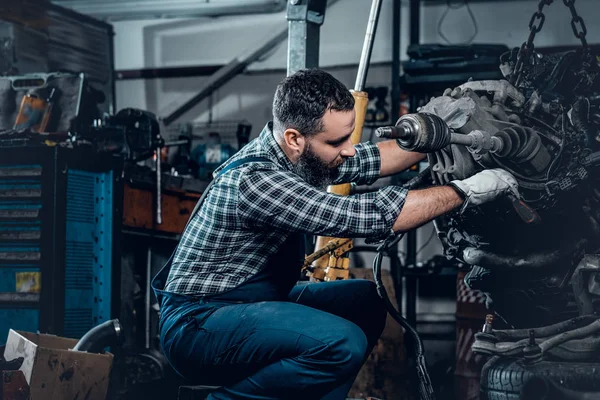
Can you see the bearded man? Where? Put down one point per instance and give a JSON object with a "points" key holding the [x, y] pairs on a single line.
{"points": [[231, 311]]}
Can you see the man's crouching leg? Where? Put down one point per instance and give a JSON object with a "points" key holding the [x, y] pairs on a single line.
{"points": [[355, 300], [269, 350]]}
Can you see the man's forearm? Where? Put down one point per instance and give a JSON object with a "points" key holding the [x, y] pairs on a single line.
{"points": [[422, 206], [394, 159]]}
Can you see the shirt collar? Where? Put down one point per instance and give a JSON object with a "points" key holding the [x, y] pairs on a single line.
{"points": [[270, 145]]}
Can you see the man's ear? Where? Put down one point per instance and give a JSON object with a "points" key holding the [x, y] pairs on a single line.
{"points": [[294, 140]]}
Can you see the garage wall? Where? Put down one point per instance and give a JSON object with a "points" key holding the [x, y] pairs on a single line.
{"points": [[205, 41], [162, 43], [213, 41]]}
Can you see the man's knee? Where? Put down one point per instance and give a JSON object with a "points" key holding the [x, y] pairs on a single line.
{"points": [[376, 300], [349, 349], [373, 304], [371, 295]]}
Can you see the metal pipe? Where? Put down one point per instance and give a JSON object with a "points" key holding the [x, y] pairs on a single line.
{"points": [[411, 281], [147, 305], [545, 331], [167, 72], [415, 21], [99, 337], [158, 187], [173, 143], [222, 76], [458, 138], [112, 103], [395, 94], [365, 57], [578, 333]]}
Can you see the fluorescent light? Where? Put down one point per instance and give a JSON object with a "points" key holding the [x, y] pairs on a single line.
{"points": [[147, 9]]}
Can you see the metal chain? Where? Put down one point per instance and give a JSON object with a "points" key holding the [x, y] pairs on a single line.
{"points": [[535, 25], [577, 24]]}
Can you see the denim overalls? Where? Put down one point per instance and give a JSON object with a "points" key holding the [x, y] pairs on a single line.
{"points": [[269, 338], [271, 284]]}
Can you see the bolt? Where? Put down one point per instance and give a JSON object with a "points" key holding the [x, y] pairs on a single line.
{"points": [[532, 352], [487, 327], [531, 337]]}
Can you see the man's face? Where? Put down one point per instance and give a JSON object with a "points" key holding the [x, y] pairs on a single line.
{"points": [[326, 151]]}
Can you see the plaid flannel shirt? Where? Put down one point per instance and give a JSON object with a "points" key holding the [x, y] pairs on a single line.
{"points": [[252, 209]]}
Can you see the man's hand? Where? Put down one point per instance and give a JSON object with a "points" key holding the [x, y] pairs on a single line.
{"points": [[423, 205], [486, 186]]}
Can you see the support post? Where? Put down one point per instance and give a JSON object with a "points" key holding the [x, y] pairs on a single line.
{"points": [[305, 18], [412, 280]]}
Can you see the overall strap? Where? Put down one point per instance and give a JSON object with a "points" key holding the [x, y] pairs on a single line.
{"points": [[241, 161], [159, 281], [232, 165]]}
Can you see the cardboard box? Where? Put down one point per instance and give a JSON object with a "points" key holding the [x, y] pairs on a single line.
{"points": [[54, 372]]}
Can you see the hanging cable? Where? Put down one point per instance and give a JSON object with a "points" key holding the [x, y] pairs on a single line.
{"points": [[425, 386]]}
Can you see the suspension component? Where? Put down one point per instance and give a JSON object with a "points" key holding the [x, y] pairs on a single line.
{"points": [[427, 133], [524, 145], [421, 132]]}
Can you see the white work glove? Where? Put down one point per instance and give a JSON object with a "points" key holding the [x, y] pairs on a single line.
{"points": [[486, 186]]}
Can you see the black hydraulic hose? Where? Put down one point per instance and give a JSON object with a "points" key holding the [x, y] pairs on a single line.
{"points": [[580, 116], [593, 160], [425, 386], [532, 261], [99, 337], [422, 179], [475, 256]]}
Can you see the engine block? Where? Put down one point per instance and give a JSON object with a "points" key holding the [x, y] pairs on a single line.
{"points": [[550, 129]]}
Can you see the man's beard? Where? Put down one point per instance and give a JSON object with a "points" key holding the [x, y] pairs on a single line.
{"points": [[314, 171]]}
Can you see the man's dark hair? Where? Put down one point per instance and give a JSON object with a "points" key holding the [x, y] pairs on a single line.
{"points": [[302, 99]]}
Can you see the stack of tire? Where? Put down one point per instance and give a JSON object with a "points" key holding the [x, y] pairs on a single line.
{"points": [[504, 378]]}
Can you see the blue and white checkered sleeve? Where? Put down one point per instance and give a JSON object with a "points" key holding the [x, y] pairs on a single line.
{"points": [[363, 168], [281, 200]]}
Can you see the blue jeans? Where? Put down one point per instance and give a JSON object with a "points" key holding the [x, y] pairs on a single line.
{"points": [[308, 347]]}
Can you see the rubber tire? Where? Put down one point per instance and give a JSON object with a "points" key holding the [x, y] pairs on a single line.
{"points": [[502, 378]]}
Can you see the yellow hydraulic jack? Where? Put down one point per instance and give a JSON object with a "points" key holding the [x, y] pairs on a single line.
{"points": [[330, 261], [334, 253]]}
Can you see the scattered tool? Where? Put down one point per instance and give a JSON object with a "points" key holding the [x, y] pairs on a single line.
{"points": [[35, 112]]}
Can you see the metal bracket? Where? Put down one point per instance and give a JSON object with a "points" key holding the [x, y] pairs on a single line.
{"points": [[305, 18], [584, 282], [224, 75]]}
